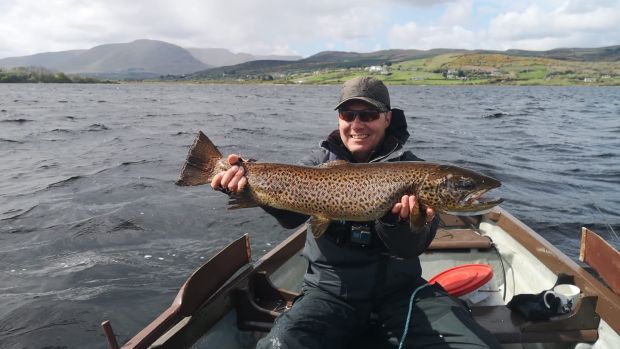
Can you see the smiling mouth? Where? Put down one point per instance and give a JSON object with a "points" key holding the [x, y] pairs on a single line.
{"points": [[360, 136]]}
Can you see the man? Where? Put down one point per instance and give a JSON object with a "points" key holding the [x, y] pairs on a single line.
{"points": [[361, 278]]}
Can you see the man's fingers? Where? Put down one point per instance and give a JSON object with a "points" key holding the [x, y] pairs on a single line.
{"points": [[404, 211], [242, 183], [234, 181], [413, 203], [233, 159], [430, 214], [396, 208], [228, 175], [215, 182]]}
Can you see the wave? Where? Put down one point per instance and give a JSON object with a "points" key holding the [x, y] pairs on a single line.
{"points": [[605, 155], [10, 141], [183, 133], [496, 115], [14, 214], [97, 127], [126, 225], [138, 162], [17, 121], [63, 182], [61, 130]]}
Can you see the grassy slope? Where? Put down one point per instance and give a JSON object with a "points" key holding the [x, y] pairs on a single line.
{"points": [[475, 68], [488, 69]]}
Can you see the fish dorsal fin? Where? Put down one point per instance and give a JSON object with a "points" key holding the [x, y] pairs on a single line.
{"points": [[318, 225], [334, 163]]}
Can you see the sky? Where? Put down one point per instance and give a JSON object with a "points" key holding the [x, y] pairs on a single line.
{"points": [[306, 27]]}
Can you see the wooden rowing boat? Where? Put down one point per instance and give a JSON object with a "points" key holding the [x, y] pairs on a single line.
{"points": [[230, 302]]}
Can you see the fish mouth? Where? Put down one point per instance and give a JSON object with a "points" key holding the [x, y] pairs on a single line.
{"points": [[477, 198], [476, 203]]}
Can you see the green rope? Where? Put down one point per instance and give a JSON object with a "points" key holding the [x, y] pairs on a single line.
{"points": [[415, 292]]}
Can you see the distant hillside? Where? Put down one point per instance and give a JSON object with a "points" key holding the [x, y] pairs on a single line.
{"points": [[150, 59], [473, 69], [321, 60], [606, 54], [218, 57], [330, 60], [139, 59]]}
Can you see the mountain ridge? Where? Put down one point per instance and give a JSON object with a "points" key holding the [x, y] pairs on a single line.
{"points": [[153, 59], [142, 58]]}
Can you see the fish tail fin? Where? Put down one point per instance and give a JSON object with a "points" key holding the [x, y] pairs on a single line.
{"points": [[203, 161]]}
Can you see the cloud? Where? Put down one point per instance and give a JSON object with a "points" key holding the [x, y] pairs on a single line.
{"points": [[573, 23], [535, 27], [457, 13], [260, 27], [413, 36], [306, 26]]}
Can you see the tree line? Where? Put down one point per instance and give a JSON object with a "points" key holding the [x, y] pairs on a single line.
{"points": [[37, 74]]}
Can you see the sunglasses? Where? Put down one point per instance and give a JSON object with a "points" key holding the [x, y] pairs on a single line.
{"points": [[364, 115]]}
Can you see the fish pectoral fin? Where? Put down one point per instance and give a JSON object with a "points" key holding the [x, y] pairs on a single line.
{"points": [[333, 163], [319, 225], [417, 219], [241, 199]]}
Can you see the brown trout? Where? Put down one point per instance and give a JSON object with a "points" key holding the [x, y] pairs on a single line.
{"points": [[344, 191]]}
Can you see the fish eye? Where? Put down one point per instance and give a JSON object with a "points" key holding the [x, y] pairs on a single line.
{"points": [[466, 184]]}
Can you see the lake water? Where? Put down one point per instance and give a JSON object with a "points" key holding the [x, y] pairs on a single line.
{"points": [[92, 226]]}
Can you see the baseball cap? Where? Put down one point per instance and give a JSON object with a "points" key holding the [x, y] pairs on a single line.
{"points": [[367, 89]]}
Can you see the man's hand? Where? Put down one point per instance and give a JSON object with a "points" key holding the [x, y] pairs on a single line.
{"points": [[408, 204], [233, 179]]}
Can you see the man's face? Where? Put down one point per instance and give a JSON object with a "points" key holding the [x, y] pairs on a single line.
{"points": [[360, 137]]}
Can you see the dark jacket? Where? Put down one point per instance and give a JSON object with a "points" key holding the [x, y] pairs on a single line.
{"points": [[363, 272]]}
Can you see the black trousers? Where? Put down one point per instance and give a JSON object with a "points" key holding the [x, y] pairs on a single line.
{"points": [[318, 319]]}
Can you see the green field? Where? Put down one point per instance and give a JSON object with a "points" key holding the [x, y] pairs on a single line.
{"points": [[464, 69]]}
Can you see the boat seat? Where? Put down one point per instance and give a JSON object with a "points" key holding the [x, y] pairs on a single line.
{"points": [[458, 232], [509, 327], [450, 221], [453, 239], [259, 303]]}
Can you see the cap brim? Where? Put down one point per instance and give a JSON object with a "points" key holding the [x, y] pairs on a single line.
{"points": [[370, 101]]}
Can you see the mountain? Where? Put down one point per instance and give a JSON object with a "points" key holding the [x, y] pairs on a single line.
{"points": [[218, 57], [138, 59]]}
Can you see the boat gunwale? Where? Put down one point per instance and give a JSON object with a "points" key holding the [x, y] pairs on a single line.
{"points": [[221, 301]]}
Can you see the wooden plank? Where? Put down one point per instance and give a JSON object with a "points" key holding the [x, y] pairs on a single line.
{"points": [[450, 239], [602, 257]]}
